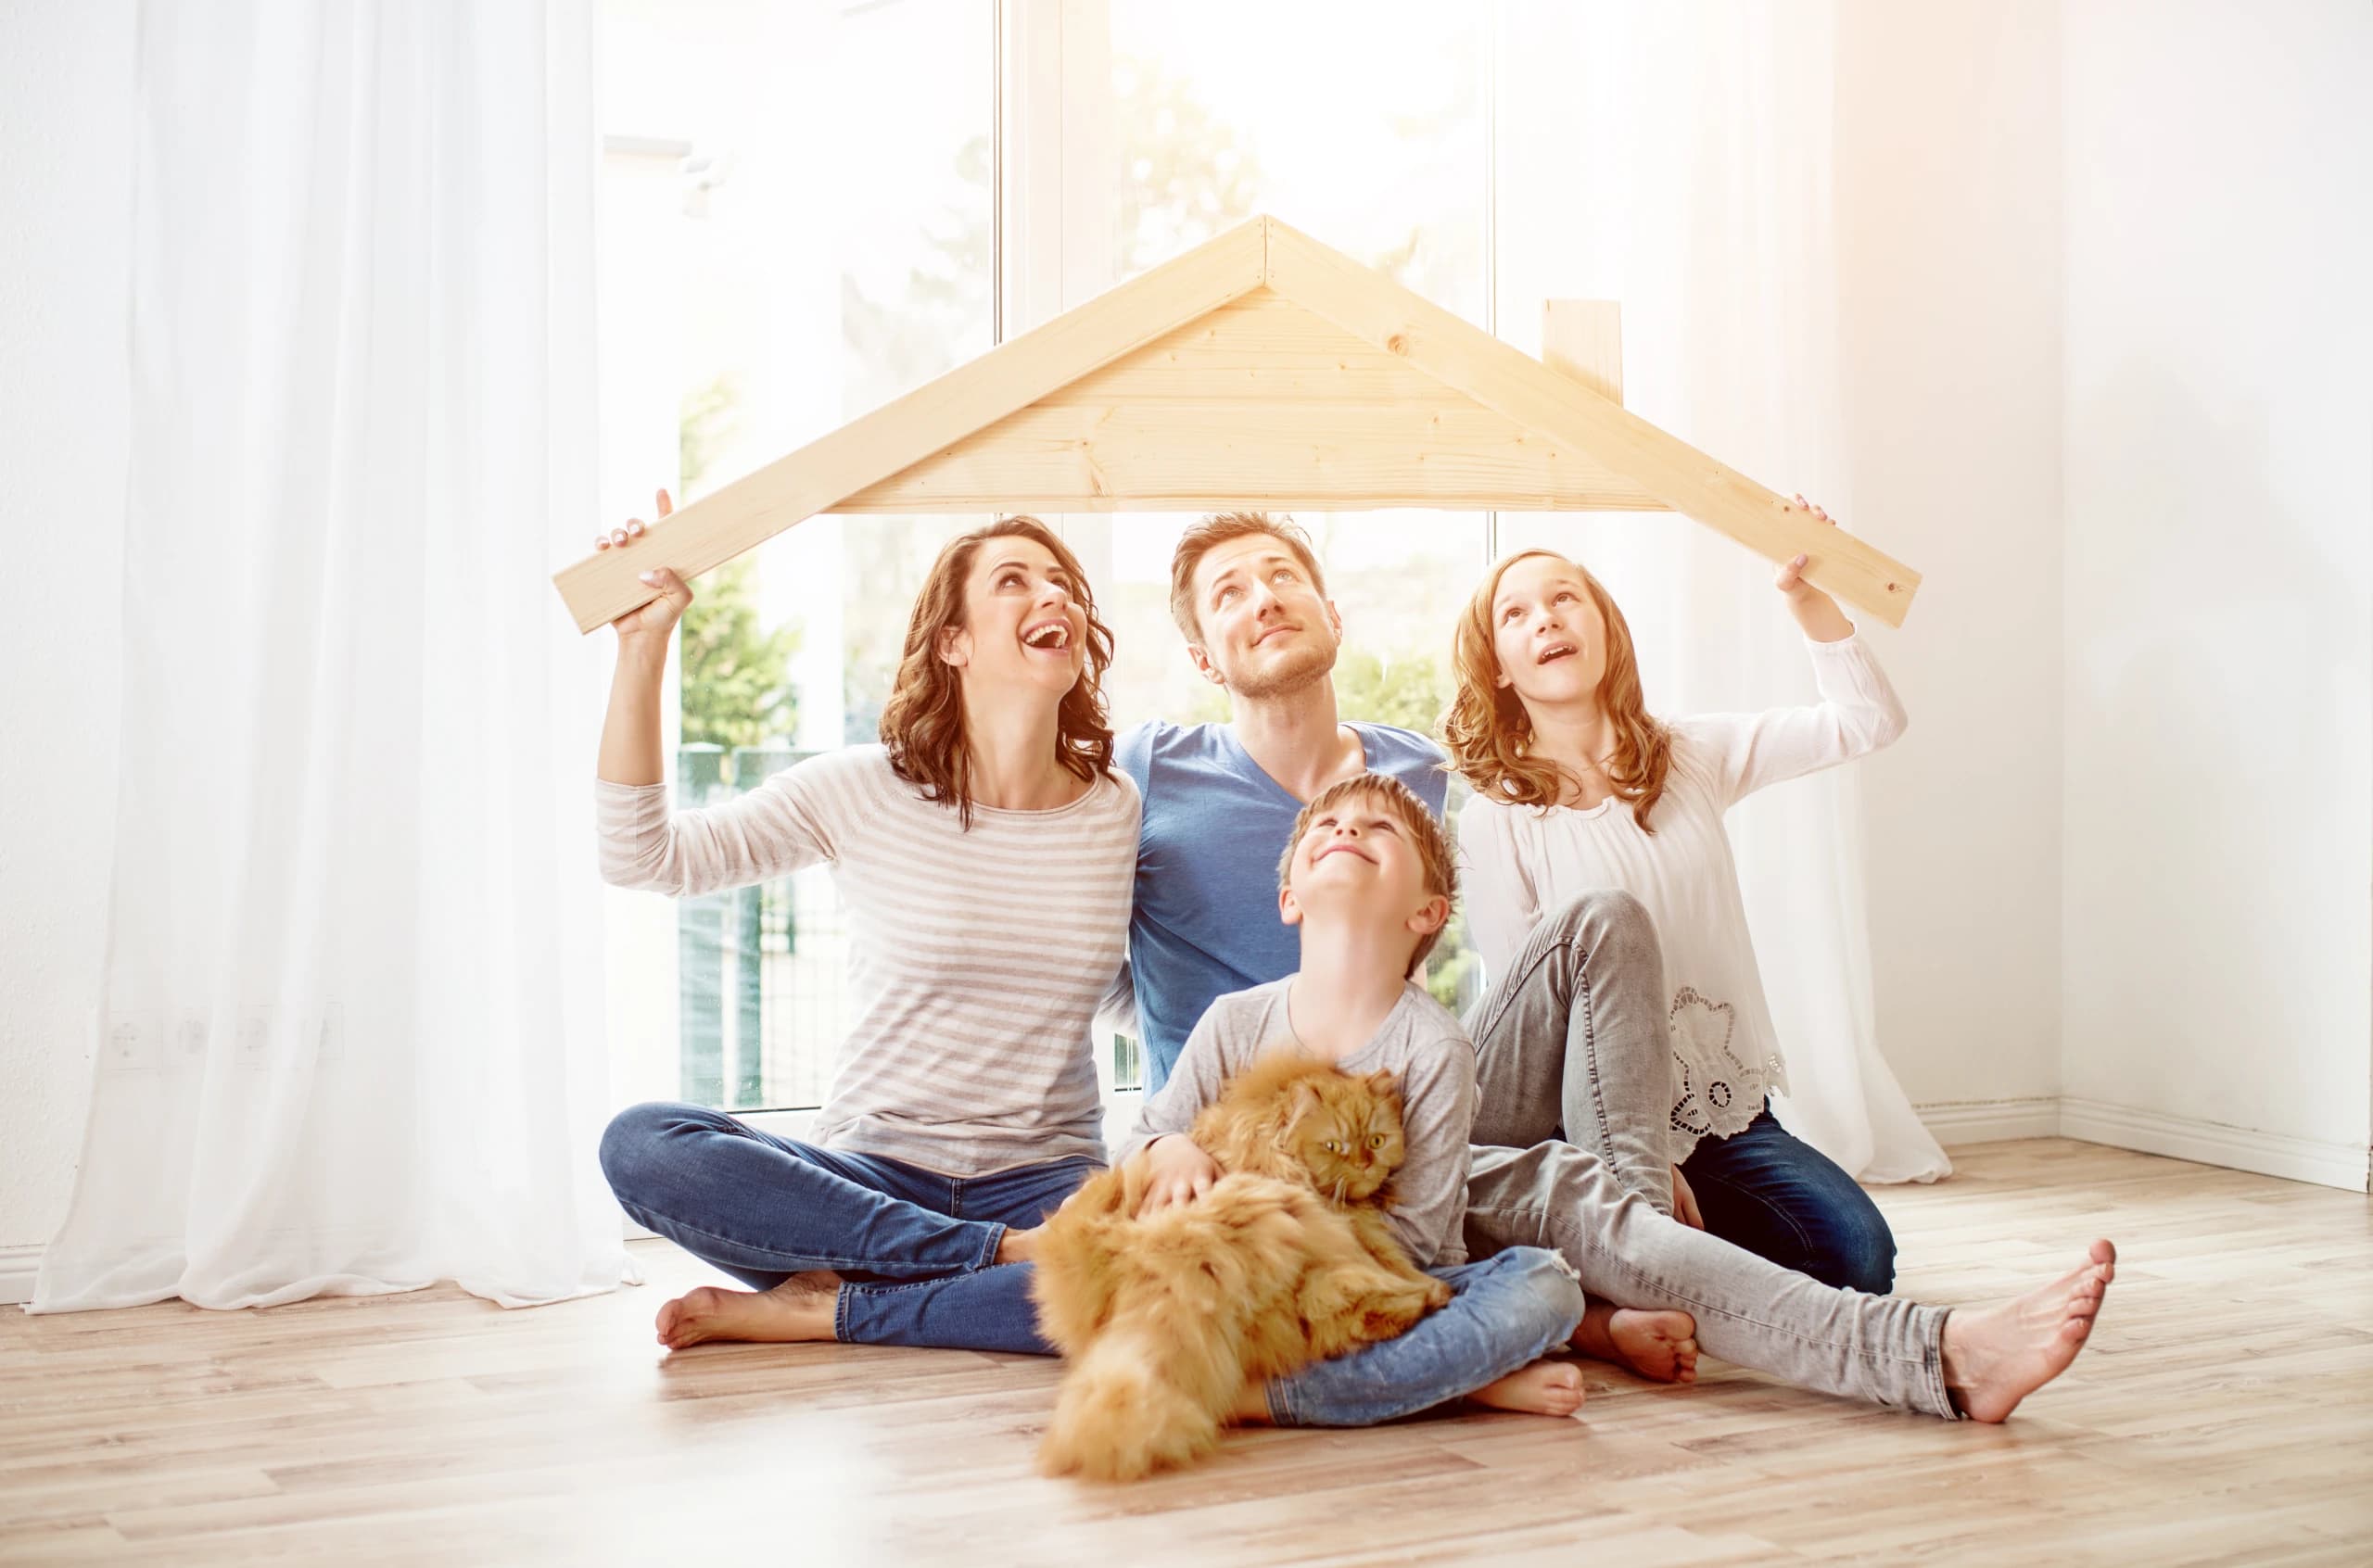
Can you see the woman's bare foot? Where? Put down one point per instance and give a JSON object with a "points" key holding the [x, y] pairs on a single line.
{"points": [[799, 1308], [1996, 1356], [1545, 1388], [1661, 1346]]}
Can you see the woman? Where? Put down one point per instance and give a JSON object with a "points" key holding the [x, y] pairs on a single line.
{"points": [[1577, 788], [984, 852]]}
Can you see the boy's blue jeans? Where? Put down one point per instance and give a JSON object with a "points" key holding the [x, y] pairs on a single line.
{"points": [[917, 1249]]}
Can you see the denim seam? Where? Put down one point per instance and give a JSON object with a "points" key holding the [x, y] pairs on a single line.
{"points": [[644, 1217]]}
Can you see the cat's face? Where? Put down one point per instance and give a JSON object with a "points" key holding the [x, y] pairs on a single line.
{"points": [[1345, 1131]]}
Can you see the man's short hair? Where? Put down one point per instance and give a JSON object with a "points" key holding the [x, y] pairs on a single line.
{"points": [[1435, 860], [1203, 537]]}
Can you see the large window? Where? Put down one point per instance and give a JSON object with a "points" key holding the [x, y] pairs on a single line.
{"points": [[809, 209]]}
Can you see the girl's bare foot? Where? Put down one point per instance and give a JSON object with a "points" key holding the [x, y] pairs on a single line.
{"points": [[1545, 1388], [799, 1308], [1996, 1356], [1661, 1346]]}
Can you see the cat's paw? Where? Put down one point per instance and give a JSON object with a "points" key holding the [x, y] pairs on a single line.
{"points": [[1437, 1296]]}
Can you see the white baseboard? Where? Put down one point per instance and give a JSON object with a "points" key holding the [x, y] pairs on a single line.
{"points": [[1960, 1122], [1956, 1122], [2326, 1164], [18, 1265]]}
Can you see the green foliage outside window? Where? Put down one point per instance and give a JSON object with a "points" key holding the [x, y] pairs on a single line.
{"points": [[736, 675]]}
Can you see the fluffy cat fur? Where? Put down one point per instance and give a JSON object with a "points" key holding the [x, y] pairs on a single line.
{"points": [[1289, 1260]]}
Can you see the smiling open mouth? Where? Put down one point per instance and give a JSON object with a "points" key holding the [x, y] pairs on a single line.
{"points": [[1053, 634], [1557, 650]]}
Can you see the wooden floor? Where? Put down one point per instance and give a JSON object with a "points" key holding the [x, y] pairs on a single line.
{"points": [[2224, 1414]]}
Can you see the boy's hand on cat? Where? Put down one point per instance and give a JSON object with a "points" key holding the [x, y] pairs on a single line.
{"points": [[1684, 1202], [1180, 1172]]}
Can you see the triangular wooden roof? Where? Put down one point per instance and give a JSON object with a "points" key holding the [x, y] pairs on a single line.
{"points": [[1264, 369]]}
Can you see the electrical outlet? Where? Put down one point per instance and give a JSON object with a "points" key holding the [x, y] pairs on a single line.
{"points": [[132, 1041], [255, 1036], [192, 1030]]}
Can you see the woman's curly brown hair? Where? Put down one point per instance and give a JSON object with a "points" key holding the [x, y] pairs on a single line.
{"points": [[1489, 735], [922, 725]]}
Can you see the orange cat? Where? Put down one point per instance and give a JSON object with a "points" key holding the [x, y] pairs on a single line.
{"points": [[1286, 1260]]}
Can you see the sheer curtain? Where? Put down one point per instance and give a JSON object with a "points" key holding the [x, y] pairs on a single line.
{"points": [[1678, 158], [351, 1040]]}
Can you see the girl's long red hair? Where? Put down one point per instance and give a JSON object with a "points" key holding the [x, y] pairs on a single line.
{"points": [[1489, 736]]}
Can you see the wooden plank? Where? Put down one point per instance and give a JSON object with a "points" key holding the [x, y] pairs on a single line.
{"points": [[1447, 452], [743, 515], [1259, 402], [1262, 345], [1371, 306], [1582, 339]]}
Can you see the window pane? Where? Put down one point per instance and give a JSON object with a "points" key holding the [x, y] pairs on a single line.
{"points": [[1362, 125], [797, 228], [1366, 126]]}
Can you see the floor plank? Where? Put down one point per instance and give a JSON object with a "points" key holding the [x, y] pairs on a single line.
{"points": [[2224, 1414]]}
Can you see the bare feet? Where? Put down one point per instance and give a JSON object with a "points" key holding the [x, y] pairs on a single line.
{"points": [[799, 1308], [1661, 1346], [1545, 1388], [1996, 1356]]}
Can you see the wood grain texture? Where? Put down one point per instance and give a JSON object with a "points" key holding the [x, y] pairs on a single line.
{"points": [[1582, 340], [1259, 403], [2224, 1414]]}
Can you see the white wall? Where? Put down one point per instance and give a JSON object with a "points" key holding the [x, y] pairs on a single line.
{"points": [[1949, 237], [2218, 797], [66, 78]]}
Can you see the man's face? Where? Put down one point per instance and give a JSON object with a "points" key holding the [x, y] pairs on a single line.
{"points": [[1265, 629]]}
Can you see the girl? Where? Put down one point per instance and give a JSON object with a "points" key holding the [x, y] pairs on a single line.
{"points": [[1577, 788]]}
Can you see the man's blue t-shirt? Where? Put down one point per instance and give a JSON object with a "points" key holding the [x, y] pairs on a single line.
{"points": [[1205, 922]]}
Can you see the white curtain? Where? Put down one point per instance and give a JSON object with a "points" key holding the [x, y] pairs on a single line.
{"points": [[351, 1035], [1678, 158]]}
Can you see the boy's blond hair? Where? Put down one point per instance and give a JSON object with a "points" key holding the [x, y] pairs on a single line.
{"points": [[1435, 861]]}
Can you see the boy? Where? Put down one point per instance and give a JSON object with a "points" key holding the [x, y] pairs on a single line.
{"points": [[1365, 882]]}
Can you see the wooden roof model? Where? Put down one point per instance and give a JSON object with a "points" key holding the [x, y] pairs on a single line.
{"points": [[1260, 370]]}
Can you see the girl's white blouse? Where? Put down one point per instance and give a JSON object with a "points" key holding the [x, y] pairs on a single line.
{"points": [[1519, 862]]}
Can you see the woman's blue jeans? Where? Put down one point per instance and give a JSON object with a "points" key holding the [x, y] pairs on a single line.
{"points": [[917, 1252], [1766, 1190]]}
